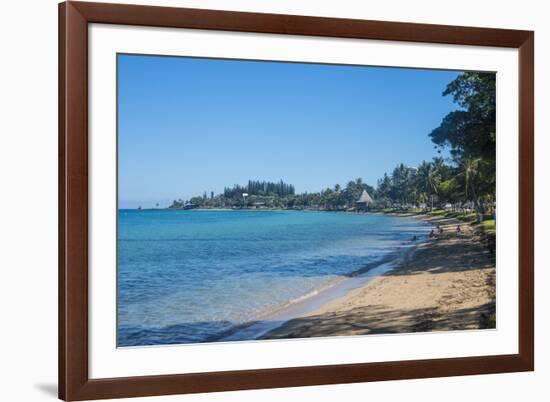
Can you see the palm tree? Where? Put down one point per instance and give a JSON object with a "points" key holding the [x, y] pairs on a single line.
{"points": [[428, 179], [469, 172], [399, 177]]}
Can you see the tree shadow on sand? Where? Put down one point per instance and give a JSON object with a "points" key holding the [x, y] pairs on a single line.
{"points": [[379, 320], [455, 254]]}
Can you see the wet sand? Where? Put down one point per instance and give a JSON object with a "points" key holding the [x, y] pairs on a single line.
{"points": [[446, 283]]}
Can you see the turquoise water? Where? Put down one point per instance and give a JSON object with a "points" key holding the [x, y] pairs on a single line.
{"points": [[189, 276]]}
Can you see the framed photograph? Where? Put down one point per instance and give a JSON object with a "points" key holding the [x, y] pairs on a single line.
{"points": [[260, 200]]}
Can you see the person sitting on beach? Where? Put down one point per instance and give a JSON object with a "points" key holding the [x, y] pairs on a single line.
{"points": [[458, 230], [432, 234], [439, 228]]}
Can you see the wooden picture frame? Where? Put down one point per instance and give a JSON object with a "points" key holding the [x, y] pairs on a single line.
{"points": [[74, 381]]}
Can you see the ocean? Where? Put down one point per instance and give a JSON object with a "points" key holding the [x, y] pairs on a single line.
{"points": [[194, 276]]}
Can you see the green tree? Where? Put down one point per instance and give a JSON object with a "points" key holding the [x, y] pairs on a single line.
{"points": [[470, 134], [471, 130], [428, 177]]}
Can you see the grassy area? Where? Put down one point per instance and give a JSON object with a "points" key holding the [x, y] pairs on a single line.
{"points": [[406, 211], [489, 226], [488, 233], [469, 217], [389, 210], [438, 212]]}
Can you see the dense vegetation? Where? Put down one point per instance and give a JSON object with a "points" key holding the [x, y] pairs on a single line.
{"points": [[260, 188], [464, 180], [260, 194], [468, 178]]}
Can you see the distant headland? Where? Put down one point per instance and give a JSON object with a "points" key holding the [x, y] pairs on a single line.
{"points": [[258, 194]]}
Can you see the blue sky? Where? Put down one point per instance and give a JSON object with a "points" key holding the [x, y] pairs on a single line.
{"points": [[189, 125]]}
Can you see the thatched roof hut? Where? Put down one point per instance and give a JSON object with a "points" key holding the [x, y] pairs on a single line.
{"points": [[364, 200]]}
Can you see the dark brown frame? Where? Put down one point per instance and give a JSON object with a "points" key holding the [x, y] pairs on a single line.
{"points": [[74, 17]]}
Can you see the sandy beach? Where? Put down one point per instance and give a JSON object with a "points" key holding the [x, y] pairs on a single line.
{"points": [[446, 283]]}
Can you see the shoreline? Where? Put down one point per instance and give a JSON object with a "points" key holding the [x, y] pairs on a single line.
{"points": [[432, 289], [332, 290], [308, 303]]}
